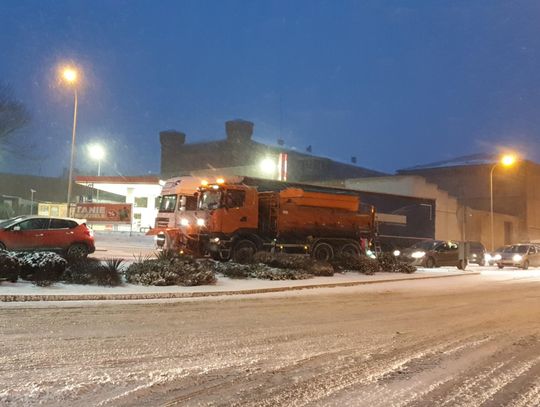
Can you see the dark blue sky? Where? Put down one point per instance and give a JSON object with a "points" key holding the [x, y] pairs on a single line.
{"points": [[395, 83]]}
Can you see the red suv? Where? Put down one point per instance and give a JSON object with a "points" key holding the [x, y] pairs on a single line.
{"points": [[68, 236]]}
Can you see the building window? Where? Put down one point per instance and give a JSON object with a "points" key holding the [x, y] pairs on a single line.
{"points": [[136, 216], [140, 202]]}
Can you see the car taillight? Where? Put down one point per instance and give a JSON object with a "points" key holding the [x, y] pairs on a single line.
{"points": [[88, 231]]}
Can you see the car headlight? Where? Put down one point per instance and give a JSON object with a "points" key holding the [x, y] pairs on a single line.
{"points": [[517, 258], [215, 240], [497, 257], [487, 257], [418, 255], [397, 253], [184, 222], [200, 222]]}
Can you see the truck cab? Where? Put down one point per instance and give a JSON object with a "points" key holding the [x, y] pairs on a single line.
{"points": [[177, 210]]}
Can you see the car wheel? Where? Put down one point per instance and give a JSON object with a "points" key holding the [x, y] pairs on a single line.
{"points": [[2, 246], [500, 266], [462, 265], [243, 251], [430, 262], [77, 251], [323, 252], [525, 265]]}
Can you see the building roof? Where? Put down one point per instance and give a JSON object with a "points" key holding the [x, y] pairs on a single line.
{"points": [[473, 159], [117, 180]]}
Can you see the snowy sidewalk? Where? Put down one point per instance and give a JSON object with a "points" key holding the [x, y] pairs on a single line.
{"points": [[26, 291]]}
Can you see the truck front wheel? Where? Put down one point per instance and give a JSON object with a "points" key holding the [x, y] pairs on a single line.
{"points": [[350, 250], [243, 251], [323, 252]]}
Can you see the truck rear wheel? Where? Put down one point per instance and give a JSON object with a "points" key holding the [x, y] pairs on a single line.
{"points": [[349, 250], [243, 251], [323, 252]]}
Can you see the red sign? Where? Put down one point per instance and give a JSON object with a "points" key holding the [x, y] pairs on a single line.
{"points": [[104, 212]]}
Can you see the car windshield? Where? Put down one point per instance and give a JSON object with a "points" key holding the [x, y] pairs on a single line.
{"points": [[516, 249], [9, 222], [425, 245], [209, 200], [168, 203]]}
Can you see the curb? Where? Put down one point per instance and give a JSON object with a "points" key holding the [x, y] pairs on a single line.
{"points": [[156, 296]]}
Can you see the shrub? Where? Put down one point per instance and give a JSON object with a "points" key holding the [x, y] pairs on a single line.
{"points": [[267, 273], [9, 266], [390, 264], [181, 271], [108, 274], [362, 264], [260, 271], [43, 268], [294, 262], [81, 271]]}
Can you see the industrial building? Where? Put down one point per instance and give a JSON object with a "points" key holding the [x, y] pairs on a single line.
{"points": [[516, 192], [239, 154]]}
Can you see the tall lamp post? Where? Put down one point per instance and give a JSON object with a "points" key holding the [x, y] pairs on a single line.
{"points": [[70, 77], [506, 160], [32, 192], [97, 153]]}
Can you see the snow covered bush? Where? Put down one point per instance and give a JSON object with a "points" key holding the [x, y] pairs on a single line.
{"points": [[81, 271], [43, 268], [94, 271], [260, 271], [390, 264], [9, 266], [294, 262], [362, 264], [181, 271]]}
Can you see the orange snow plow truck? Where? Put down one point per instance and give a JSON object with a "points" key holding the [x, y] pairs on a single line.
{"points": [[236, 218]]}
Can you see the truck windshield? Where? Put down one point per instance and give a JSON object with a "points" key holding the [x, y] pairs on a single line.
{"points": [[209, 200], [168, 203]]}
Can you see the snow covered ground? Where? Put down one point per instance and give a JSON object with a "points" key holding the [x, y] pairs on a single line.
{"points": [[224, 284], [463, 341]]}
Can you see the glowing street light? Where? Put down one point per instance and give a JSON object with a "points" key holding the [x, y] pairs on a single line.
{"points": [[70, 76], [507, 160], [267, 166], [97, 153]]}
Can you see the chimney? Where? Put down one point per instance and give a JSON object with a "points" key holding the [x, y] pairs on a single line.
{"points": [[280, 142], [239, 130], [309, 149], [171, 139], [353, 159]]}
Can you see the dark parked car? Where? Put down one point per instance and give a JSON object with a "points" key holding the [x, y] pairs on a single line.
{"points": [[520, 255], [434, 253], [26, 233], [477, 253]]}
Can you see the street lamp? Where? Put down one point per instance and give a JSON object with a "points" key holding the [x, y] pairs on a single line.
{"points": [[70, 76], [97, 153], [506, 160], [32, 192], [267, 166]]}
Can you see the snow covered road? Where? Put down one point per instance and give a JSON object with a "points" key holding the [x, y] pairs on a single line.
{"points": [[452, 342]]}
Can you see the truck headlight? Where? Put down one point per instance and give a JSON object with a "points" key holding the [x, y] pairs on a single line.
{"points": [[200, 222], [418, 255], [497, 257], [487, 257], [397, 253], [517, 258], [184, 222]]}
